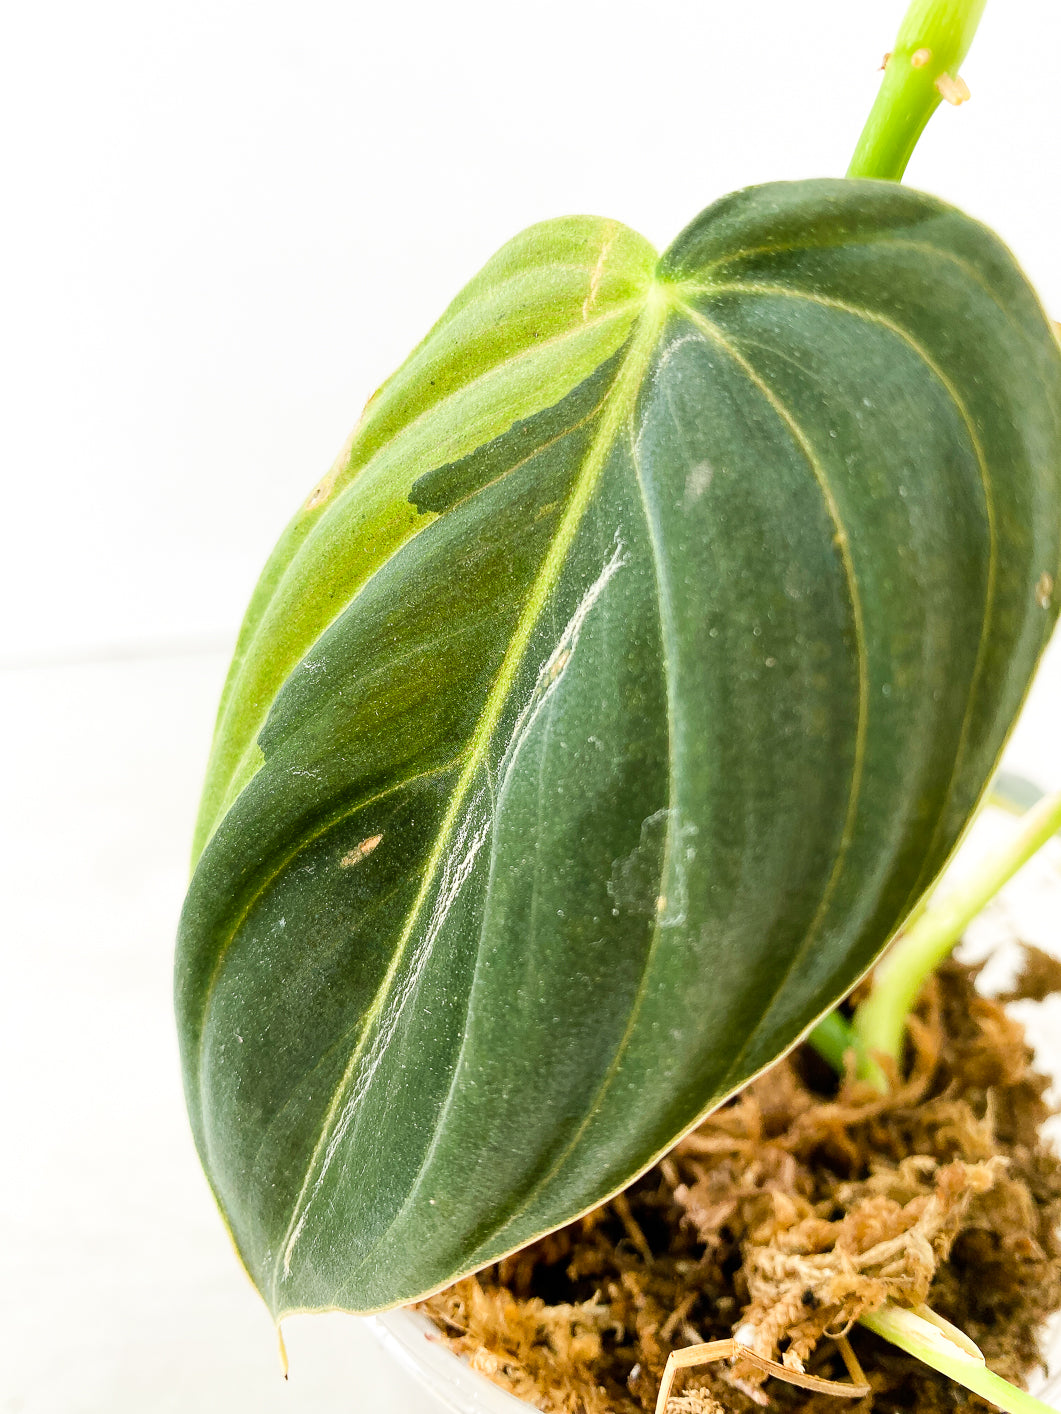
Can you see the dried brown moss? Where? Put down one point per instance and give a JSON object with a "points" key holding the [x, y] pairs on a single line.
{"points": [[787, 1213]]}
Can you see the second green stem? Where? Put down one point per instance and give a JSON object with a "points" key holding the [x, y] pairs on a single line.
{"points": [[880, 1021]]}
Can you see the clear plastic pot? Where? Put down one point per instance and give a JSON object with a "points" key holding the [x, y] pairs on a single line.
{"points": [[415, 1344]]}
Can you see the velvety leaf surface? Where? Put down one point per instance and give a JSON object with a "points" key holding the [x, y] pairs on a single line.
{"points": [[602, 715]]}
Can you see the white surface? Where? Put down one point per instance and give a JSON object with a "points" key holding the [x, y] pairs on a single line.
{"points": [[224, 224], [120, 1291], [232, 220]]}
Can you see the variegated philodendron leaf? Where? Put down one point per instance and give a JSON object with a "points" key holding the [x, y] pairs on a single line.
{"points": [[602, 713]]}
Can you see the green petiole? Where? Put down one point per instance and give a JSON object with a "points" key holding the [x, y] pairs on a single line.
{"points": [[941, 1346], [880, 1022], [833, 1038], [1014, 794], [882, 1018], [919, 73]]}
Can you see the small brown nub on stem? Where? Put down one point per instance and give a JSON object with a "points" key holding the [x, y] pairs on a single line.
{"points": [[884, 61], [954, 90], [920, 57]]}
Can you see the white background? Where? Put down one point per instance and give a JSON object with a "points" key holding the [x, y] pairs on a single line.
{"points": [[223, 224]]}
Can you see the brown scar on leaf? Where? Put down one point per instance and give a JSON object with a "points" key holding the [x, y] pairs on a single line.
{"points": [[1044, 590], [359, 852], [559, 663], [920, 57], [326, 484], [611, 228], [953, 90], [320, 492]]}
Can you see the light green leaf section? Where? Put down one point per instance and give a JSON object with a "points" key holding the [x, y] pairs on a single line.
{"points": [[613, 702], [542, 315]]}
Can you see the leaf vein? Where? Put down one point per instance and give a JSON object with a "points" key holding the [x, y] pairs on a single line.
{"points": [[625, 385], [882, 321], [713, 332]]}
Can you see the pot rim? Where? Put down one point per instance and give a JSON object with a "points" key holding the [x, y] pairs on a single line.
{"points": [[415, 1342]]}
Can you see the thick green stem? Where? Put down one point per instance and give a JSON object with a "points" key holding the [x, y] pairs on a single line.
{"points": [[925, 1336], [832, 1038], [880, 1022], [1014, 794], [934, 39]]}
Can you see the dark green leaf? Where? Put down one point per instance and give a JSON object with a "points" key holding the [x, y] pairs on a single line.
{"points": [[602, 715]]}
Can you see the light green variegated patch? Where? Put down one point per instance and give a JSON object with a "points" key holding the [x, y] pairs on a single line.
{"points": [[539, 318], [603, 713]]}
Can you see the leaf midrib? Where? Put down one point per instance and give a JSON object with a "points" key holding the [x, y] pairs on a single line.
{"points": [[784, 414], [558, 1164], [353, 476], [429, 518], [709, 330], [621, 399]]}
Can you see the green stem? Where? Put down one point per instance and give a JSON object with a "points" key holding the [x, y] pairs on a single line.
{"points": [[880, 1021], [833, 1037], [926, 1340], [922, 1333], [934, 39], [1014, 794]]}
